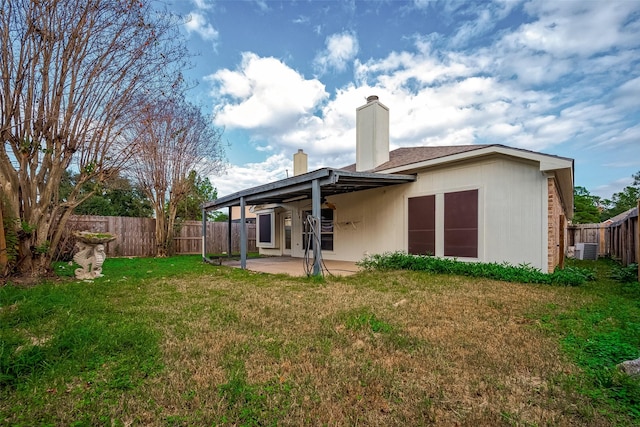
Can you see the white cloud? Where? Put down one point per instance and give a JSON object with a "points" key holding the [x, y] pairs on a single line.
{"points": [[233, 83], [483, 23], [301, 20], [238, 177], [566, 38], [340, 49], [262, 5], [570, 28], [197, 23], [203, 4], [264, 93], [623, 137], [533, 88], [421, 4]]}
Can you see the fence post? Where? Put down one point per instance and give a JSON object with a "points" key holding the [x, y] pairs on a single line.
{"points": [[204, 234], [638, 239]]}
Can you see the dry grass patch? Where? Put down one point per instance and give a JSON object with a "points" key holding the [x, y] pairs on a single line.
{"points": [[455, 351]]}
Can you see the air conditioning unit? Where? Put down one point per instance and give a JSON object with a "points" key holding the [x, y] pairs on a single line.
{"points": [[586, 251]]}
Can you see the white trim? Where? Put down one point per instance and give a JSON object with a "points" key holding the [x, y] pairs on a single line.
{"points": [[440, 224], [546, 161], [283, 218], [272, 241]]}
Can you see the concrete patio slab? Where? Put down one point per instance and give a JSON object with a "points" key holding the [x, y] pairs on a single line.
{"points": [[293, 266]]}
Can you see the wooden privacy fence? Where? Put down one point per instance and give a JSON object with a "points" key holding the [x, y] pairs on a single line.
{"points": [[624, 237], [136, 236], [618, 239], [589, 233], [189, 241]]}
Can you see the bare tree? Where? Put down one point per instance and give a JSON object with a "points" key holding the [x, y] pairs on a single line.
{"points": [[72, 74], [174, 139], [4, 258]]}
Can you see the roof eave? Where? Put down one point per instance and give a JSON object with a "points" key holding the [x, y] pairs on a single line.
{"points": [[547, 162]]}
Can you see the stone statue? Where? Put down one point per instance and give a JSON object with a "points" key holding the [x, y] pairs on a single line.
{"points": [[91, 253], [90, 258]]}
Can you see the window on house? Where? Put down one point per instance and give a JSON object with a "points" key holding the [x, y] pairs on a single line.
{"points": [[266, 230], [326, 230], [422, 225], [461, 224]]}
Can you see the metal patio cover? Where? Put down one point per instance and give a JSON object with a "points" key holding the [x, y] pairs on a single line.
{"points": [[331, 181]]}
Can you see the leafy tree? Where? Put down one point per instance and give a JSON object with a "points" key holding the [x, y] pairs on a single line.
{"points": [[585, 207], [115, 197], [623, 200], [128, 200], [74, 78], [201, 190], [219, 216]]}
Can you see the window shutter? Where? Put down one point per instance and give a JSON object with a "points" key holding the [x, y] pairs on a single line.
{"points": [[461, 224], [422, 225]]}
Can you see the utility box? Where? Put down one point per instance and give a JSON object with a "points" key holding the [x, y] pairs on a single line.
{"points": [[586, 251]]}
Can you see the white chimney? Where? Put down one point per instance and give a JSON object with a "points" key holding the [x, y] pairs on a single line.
{"points": [[299, 163], [372, 134]]}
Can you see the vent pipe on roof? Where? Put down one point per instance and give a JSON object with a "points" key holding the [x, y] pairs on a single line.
{"points": [[372, 134], [299, 163]]}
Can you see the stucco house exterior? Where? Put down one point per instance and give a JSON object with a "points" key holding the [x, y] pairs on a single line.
{"points": [[487, 203]]}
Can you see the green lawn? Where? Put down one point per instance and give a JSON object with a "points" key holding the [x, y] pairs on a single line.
{"points": [[176, 342]]}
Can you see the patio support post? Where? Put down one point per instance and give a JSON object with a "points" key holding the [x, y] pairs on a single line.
{"points": [[204, 234], [316, 197], [229, 234], [243, 236]]}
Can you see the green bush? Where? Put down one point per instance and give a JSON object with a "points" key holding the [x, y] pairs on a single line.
{"points": [[628, 274], [523, 273]]}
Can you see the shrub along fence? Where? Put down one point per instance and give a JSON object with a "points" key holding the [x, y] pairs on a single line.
{"points": [[136, 236]]}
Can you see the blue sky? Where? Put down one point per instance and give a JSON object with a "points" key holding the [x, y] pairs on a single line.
{"points": [[559, 77]]}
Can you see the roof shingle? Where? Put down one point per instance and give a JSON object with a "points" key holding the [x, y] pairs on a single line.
{"points": [[408, 155]]}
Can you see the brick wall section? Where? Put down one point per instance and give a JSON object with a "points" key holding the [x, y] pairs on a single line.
{"points": [[554, 212]]}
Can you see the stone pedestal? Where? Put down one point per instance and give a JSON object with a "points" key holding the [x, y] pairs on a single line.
{"points": [[91, 253], [631, 367]]}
